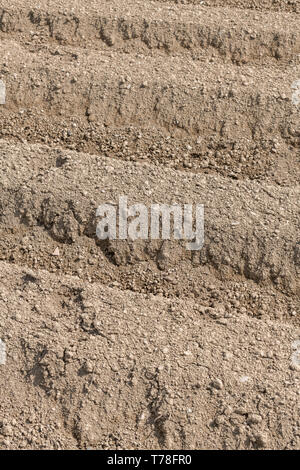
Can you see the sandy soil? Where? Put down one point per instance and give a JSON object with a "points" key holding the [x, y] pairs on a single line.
{"points": [[117, 344]]}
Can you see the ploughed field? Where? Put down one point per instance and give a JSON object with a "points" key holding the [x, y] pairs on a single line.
{"points": [[121, 344]]}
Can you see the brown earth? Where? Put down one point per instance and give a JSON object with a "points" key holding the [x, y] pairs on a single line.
{"points": [[132, 345]]}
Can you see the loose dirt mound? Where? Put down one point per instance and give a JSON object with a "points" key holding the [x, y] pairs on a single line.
{"points": [[120, 344], [247, 234], [127, 370]]}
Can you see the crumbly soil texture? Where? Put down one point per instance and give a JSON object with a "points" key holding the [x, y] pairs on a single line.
{"points": [[122, 344]]}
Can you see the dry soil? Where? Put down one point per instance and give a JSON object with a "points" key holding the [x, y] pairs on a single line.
{"points": [[146, 345]]}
